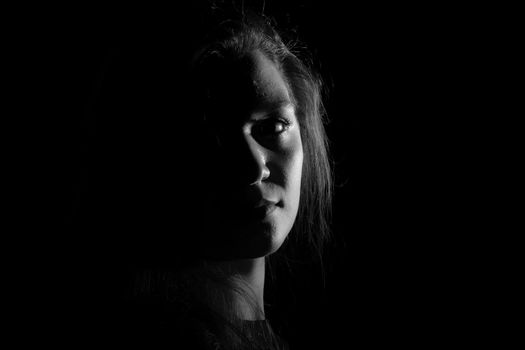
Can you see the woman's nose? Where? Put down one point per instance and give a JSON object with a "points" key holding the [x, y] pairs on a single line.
{"points": [[258, 171], [250, 161]]}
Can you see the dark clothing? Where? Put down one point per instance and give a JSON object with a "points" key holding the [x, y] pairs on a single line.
{"points": [[157, 327]]}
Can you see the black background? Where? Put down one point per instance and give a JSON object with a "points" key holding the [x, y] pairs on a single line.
{"points": [[401, 85]]}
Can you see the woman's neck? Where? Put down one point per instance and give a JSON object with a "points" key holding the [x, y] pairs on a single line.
{"points": [[248, 276]]}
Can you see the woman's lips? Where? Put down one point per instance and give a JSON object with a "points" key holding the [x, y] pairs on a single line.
{"points": [[247, 210], [262, 209]]}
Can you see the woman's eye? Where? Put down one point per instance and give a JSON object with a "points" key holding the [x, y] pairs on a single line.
{"points": [[272, 127]]}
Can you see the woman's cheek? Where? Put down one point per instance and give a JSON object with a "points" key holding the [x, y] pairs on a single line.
{"points": [[293, 164]]}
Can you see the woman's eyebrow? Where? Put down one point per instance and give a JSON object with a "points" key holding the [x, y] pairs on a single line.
{"points": [[266, 106]]}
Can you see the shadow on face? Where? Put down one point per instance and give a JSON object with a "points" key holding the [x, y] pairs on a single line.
{"points": [[255, 165], [172, 186]]}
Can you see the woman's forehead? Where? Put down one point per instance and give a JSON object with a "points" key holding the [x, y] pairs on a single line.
{"points": [[252, 83]]}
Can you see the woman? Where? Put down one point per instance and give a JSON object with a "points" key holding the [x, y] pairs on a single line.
{"points": [[250, 179]]}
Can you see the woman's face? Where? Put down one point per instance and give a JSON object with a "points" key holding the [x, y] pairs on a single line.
{"points": [[253, 160]]}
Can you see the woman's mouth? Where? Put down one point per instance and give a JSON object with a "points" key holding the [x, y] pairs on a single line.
{"points": [[263, 211]]}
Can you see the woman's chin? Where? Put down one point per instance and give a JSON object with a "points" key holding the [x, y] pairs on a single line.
{"points": [[247, 241]]}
